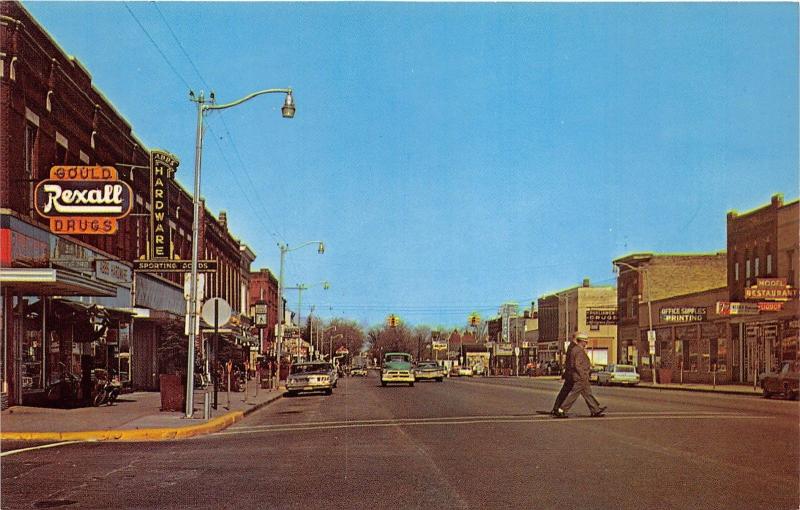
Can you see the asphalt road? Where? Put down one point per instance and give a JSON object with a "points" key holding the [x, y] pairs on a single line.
{"points": [[463, 443]]}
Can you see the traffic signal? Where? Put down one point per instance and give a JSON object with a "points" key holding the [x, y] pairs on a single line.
{"points": [[393, 321]]}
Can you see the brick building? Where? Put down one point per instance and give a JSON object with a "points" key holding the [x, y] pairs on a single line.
{"points": [[264, 286], [563, 314], [652, 277], [763, 250], [72, 302]]}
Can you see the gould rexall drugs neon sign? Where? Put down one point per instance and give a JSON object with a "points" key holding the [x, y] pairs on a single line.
{"points": [[83, 199]]}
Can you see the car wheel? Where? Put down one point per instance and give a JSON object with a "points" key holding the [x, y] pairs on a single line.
{"points": [[439, 379], [329, 391], [411, 384], [291, 393], [383, 383], [788, 394], [766, 392]]}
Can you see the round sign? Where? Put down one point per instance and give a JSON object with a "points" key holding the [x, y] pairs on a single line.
{"points": [[223, 312]]}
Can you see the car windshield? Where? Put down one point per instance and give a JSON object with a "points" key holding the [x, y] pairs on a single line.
{"points": [[625, 368], [398, 357], [308, 368], [427, 365]]}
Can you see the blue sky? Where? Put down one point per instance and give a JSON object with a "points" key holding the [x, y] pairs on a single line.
{"points": [[454, 156]]}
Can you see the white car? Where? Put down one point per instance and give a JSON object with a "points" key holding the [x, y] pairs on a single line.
{"points": [[313, 376], [618, 374], [465, 372]]}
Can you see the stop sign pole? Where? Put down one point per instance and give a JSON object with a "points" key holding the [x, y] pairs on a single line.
{"points": [[216, 311]]}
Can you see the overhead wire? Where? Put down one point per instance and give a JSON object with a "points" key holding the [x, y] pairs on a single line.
{"points": [[210, 126]]}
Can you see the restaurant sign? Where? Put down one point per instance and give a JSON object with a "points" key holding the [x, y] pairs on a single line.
{"points": [[770, 289], [683, 314], [601, 316], [83, 200]]}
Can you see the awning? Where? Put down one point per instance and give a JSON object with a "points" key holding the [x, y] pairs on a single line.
{"points": [[53, 282], [233, 337]]}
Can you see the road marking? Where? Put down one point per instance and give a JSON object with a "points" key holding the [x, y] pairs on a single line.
{"points": [[40, 447], [475, 420], [469, 417]]}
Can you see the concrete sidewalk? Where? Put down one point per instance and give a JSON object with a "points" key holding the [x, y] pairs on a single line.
{"points": [[730, 389], [133, 417]]}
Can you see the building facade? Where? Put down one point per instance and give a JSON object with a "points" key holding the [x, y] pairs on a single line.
{"points": [[763, 249], [71, 301], [647, 277], [583, 308]]}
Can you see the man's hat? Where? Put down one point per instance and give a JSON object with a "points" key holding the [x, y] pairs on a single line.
{"points": [[582, 337]]}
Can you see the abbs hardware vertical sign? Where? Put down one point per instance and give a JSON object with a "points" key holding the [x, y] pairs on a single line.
{"points": [[163, 166], [84, 200]]}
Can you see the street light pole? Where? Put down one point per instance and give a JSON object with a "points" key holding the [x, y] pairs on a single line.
{"points": [[643, 271], [287, 110], [284, 248]]}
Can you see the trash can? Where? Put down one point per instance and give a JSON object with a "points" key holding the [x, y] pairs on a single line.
{"points": [[173, 396]]}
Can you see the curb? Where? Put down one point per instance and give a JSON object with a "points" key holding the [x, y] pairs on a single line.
{"points": [[702, 390], [152, 434]]}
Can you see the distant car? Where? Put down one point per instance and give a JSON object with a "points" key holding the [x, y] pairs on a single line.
{"points": [[784, 383], [465, 372], [427, 371], [550, 368], [359, 371], [312, 376], [594, 371], [397, 368], [618, 374]]}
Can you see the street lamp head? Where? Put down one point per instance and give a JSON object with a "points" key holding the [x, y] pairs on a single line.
{"points": [[288, 106], [321, 248], [326, 285]]}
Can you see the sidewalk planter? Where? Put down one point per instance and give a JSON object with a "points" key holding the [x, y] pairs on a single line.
{"points": [[664, 375], [173, 396]]}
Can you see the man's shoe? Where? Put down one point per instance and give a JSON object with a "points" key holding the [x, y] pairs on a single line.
{"points": [[600, 412], [559, 413]]}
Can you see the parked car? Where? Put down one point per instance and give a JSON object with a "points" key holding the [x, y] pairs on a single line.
{"points": [[550, 368], [312, 376], [618, 374], [594, 371], [359, 371], [784, 383], [454, 371], [465, 371], [428, 371], [397, 368]]}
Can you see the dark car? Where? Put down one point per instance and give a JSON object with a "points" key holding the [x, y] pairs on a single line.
{"points": [[428, 370], [785, 382]]}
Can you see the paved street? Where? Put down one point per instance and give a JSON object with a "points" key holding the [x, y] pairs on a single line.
{"points": [[463, 443]]}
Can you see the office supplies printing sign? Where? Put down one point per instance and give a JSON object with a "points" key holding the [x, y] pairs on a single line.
{"points": [[85, 200], [163, 166]]}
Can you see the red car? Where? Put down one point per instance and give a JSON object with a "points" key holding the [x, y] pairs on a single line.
{"points": [[785, 382]]}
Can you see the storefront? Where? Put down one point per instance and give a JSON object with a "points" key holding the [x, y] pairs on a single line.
{"points": [[52, 320], [158, 340], [692, 343]]}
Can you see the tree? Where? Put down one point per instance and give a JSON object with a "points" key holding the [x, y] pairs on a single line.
{"points": [[384, 339]]}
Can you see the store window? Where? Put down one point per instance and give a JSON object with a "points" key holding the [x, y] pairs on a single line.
{"points": [[32, 343]]}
